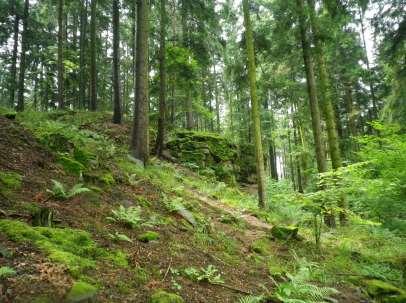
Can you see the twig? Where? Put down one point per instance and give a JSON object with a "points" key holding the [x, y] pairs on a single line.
{"points": [[167, 270]]}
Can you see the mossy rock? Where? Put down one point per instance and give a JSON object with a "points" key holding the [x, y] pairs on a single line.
{"points": [[378, 289], [260, 247], [285, 232], [70, 165], [148, 236], [162, 296], [81, 292]]}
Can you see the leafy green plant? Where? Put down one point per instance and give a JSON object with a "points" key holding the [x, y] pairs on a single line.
{"points": [[59, 191], [130, 216], [209, 274], [298, 288], [120, 237], [6, 272]]}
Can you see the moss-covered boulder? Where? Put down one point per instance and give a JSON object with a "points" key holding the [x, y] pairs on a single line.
{"points": [[162, 296], [383, 291], [285, 232], [148, 236], [81, 292], [206, 152], [10, 180]]}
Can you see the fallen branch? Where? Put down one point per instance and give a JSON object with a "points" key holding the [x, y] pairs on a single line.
{"points": [[234, 289], [167, 270]]}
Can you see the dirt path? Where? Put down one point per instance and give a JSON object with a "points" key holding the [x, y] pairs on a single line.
{"points": [[250, 220]]}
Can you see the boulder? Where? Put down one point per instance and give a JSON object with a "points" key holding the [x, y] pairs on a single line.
{"points": [[81, 292], [383, 291], [162, 296], [285, 232]]}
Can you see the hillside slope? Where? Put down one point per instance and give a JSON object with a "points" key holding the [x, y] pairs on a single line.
{"points": [[128, 233]]}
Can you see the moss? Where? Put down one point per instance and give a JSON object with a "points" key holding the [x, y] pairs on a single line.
{"points": [[71, 247], [10, 181], [70, 165], [81, 292], [108, 179], [161, 296], [141, 276], [148, 236], [42, 299]]}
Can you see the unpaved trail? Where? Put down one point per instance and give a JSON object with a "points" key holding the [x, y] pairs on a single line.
{"points": [[249, 219]]}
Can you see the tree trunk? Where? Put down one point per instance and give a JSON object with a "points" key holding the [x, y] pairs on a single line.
{"points": [[93, 71], [140, 140], [254, 105], [325, 93], [117, 115], [311, 89], [24, 46], [61, 103], [159, 146], [82, 55], [13, 69]]}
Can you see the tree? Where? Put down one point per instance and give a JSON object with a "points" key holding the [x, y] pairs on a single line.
{"points": [[249, 41], [140, 140], [61, 103], [117, 115], [13, 69], [93, 70], [24, 47], [82, 54], [311, 90], [162, 82]]}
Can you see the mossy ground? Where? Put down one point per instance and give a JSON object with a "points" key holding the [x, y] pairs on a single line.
{"points": [[50, 260]]}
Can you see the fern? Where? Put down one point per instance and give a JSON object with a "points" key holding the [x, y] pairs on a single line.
{"points": [[120, 237], [210, 274], [128, 216], [59, 191]]}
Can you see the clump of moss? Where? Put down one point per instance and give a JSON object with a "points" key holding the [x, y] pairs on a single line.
{"points": [[71, 247], [141, 276], [162, 296], [148, 236], [81, 292], [10, 181]]}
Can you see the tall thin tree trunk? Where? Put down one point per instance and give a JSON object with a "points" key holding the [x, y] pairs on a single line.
{"points": [[61, 103], [24, 46], [311, 89], [140, 140], [13, 69], [254, 104], [93, 70], [325, 91], [159, 146], [216, 91], [82, 54], [117, 115]]}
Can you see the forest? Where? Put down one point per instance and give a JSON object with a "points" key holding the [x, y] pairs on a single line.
{"points": [[190, 151]]}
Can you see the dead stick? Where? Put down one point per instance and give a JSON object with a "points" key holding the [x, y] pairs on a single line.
{"points": [[167, 270], [235, 289]]}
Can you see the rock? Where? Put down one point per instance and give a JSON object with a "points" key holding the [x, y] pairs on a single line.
{"points": [[187, 215], [285, 232], [81, 292], [382, 290], [148, 236], [162, 296]]}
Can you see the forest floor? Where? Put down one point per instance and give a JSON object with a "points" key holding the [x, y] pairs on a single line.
{"points": [[182, 235]]}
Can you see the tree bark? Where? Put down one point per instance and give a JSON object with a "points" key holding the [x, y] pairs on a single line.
{"points": [[93, 70], [117, 113], [13, 69], [140, 140], [254, 105], [325, 93], [82, 55], [61, 103], [159, 146], [311, 89], [24, 46]]}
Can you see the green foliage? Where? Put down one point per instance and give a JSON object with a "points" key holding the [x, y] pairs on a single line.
{"points": [[120, 237], [299, 290], [81, 291], [71, 247], [10, 180], [251, 299], [161, 296], [209, 274], [6, 272], [130, 217], [148, 236], [59, 191], [70, 165]]}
